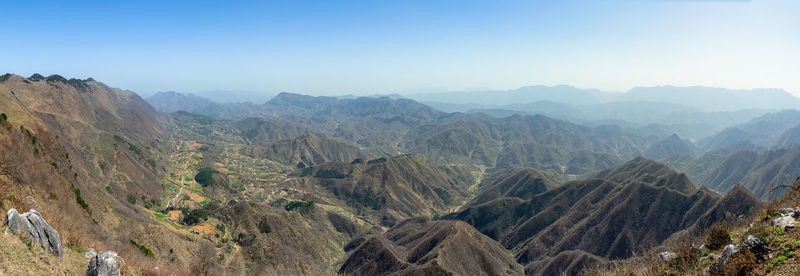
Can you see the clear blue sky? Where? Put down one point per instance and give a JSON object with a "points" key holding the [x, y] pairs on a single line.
{"points": [[368, 47]]}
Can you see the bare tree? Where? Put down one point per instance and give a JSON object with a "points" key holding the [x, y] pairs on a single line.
{"points": [[795, 187]]}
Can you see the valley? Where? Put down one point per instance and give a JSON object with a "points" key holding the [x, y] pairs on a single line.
{"points": [[364, 186], [400, 138]]}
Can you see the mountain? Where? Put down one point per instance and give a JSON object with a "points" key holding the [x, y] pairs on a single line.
{"points": [[521, 183], [537, 142], [603, 217], [271, 239], [648, 171], [570, 262], [757, 250], [307, 150], [390, 189], [75, 150], [170, 102], [709, 99], [712, 98], [761, 131], [419, 246], [548, 108], [670, 146], [368, 185], [756, 171], [788, 138], [675, 118], [560, 93], [267, 131]]}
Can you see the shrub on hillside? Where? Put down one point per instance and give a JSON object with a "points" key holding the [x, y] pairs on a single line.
{"points": [[264, 227], [741, 263], [329, 173], [80, 199], [717, 237], [304, 207], [146, 251], [131, 199]]}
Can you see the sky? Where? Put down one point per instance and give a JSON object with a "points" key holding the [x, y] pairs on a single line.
{"points": [[380, 47]]}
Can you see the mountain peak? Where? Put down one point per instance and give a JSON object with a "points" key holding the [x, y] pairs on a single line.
{"points": [[647, 171]]}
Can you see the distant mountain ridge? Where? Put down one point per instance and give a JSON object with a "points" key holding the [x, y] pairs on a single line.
{"points": [[767, 130], [708, 99]]}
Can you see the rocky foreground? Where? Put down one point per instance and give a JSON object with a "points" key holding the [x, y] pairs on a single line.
{"points": [[37, 237], [766, 245]]}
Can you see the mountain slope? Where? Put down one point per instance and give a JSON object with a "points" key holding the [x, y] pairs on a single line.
{"points": [[307, 150], [601, 216], [714, 99], [788, 138], [523, 183], [756, 171], [670, 146], [419, 246], [170, 102], [761, 131], [77, 149], [389, 189]]}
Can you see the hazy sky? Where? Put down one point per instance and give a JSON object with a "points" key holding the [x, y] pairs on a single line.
{"points": [[368, 47]]}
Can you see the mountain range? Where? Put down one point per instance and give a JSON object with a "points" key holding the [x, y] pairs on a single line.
{"points": [[377, 185]]}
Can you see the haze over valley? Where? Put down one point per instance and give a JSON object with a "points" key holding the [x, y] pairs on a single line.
{"points": [[299, 142]]}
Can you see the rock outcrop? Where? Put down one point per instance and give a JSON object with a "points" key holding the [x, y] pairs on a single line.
{"points": [[105, 263], [31, 225], [752, 245], [668, 256], [787, 219]]}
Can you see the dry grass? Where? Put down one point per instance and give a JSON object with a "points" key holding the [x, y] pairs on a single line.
{"points": [[783, 259], [743, 263], [16, 258], [717, 236]]}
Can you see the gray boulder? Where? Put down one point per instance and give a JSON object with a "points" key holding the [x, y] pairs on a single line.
{"points": [[756, 246], [31, 225], [727, 252], [751, 244], [667, 256], [785, 222], [105, 263]]}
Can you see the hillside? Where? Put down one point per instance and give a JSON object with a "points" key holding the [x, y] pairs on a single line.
{"points": [[765, 243], [757, 171], [170, 102], [600, 216], [671, 146], [419, 246], [79, 147], [323, 185], [762, 131], [787, 139], [390, 189], [537, 142], [521, 183], [704, 98], [714, 99], [307, 150], [385, 127]]}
